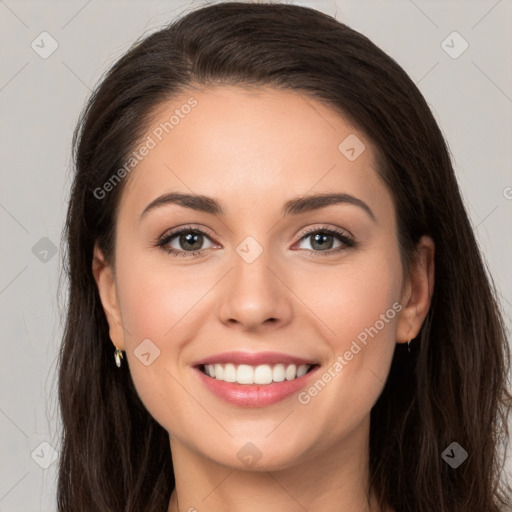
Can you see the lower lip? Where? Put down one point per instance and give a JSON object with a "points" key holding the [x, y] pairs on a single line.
{"points": [[254, 395]]}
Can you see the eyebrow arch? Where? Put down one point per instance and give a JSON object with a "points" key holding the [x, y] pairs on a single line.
{"points": [[294, 206]]}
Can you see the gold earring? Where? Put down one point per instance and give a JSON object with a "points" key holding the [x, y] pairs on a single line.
{"points": [[118, 355]]}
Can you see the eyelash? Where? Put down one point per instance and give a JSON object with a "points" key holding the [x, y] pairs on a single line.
{"points": [[347, 240]]}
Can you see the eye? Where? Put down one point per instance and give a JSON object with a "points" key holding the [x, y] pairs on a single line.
{"points": [[323, 240], [189, 241]]}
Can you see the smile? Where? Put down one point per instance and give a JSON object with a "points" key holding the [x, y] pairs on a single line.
{"points": [[261, 375], [248, 392]]}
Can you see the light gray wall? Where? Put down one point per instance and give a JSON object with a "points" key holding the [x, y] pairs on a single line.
{"points": [[40, 99]]}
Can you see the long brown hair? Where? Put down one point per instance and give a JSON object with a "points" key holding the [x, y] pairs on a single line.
{"points": [[453, 384]]}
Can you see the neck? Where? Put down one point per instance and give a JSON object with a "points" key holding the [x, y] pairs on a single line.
{"points": [[334, 479]]}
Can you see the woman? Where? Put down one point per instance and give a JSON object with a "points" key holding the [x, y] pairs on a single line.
{"points": [[255, 369]]}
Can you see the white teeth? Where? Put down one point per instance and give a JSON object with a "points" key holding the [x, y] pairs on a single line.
{"points": [[302, 370], [219, 371], [261, 374], [291, 372], [278, 373], [244, 374], [229, 373]]}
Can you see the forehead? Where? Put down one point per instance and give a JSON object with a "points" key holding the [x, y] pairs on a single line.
{"points": [[248, 146]]}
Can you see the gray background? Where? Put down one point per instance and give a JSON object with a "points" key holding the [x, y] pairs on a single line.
{"points": [[40, 99]]}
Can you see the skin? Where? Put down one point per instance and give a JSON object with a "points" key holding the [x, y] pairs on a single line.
{"points": [[254, 150]]}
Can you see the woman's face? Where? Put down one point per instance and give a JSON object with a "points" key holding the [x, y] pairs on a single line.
{"points": [[251, 281]]}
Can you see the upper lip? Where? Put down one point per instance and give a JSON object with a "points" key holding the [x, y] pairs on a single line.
{"points": [[253, 359]]}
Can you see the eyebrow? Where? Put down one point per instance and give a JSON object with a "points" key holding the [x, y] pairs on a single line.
{"points": [[294, 206]]}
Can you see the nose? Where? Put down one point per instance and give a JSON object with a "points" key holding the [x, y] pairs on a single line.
{"points": [[255, 295]]}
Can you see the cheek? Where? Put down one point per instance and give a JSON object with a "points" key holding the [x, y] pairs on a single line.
{"points": [[357, 317], [349, 299], [355, 310], [155, 299], [154, 304]]}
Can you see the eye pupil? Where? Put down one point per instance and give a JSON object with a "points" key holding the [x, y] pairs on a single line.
{"points": [[189, 237], [317, 239]]}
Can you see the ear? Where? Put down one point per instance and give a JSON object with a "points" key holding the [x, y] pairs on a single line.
{"points": [[105, 281], [417, 291]]}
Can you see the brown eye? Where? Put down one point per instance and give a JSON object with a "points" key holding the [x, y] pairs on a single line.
{"points": [[186, 242], [322, 240]]}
